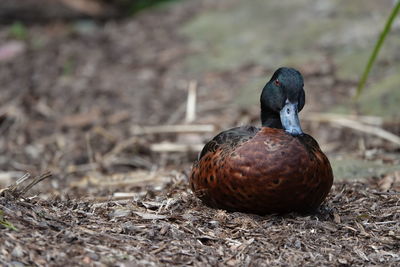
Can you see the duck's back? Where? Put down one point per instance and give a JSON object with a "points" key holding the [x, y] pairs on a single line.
{"points": [[261, 171], [230, 139]]}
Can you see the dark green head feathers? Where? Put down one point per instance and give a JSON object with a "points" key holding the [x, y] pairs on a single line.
{"points": [[281, 100]]}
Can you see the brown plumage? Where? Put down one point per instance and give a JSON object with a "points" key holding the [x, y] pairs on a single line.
{"points": [[262, 170], [273, 172]]}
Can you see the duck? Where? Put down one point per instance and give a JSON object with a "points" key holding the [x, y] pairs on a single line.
{"points": [[275, 168]]}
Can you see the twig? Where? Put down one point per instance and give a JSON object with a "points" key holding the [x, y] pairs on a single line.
{"points": [[175, 147], [17, 189], [244, 247], [120, 147], [328, 117], [89, 151], [345, 121], [198, 128], [386, 193], [13, 189], [191, 102], [124, 195], [22, 179], [373, 130], [161, 248], [136, 178], [81, 168], [35, 181]]}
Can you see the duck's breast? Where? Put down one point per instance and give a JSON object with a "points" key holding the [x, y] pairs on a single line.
{"points": [[271, 172]]}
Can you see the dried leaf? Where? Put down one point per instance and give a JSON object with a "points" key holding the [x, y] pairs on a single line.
{"points": [[336, 217], [389, 181]]}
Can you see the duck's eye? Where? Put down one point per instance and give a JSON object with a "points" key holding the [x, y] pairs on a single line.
{"points": [[277, 82]]}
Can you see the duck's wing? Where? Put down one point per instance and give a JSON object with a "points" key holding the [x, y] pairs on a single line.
{"points": [[229, 139], [311, 145]]}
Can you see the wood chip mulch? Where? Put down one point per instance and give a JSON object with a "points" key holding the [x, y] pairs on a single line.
{"points": [[358, 225]]}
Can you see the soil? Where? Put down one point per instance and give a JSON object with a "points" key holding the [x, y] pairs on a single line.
{"points": [[76, 100]]}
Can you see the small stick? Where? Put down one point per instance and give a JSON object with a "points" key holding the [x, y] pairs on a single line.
{"points": [[89, 151], [124, 195], [35, 181], [191, 102], [346, 121], [199, 128], [373, 130], [18, 189], [121, 146], [328, 117], [175, 147], [161, 248]]}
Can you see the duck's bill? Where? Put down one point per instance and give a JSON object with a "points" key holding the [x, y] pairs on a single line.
{"points": [[290, 118]]}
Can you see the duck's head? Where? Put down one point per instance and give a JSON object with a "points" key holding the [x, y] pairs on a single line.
{"points": [[281, 100]]}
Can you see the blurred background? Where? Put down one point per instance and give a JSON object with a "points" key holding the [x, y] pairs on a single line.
{"points": [[114, 96]]}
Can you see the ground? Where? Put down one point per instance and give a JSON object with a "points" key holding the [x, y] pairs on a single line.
{"points": [[87, 99]]}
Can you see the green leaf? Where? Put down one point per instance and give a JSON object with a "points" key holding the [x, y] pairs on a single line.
{"points": [[18, 31], [377, 47], [6, 223], [139, 5]]}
